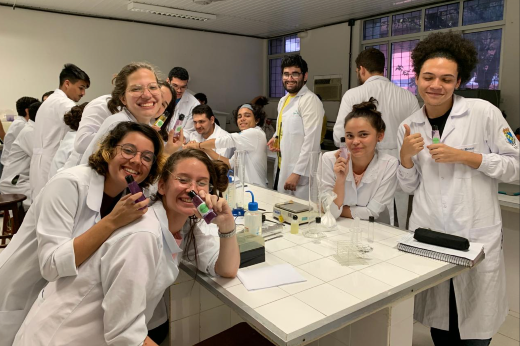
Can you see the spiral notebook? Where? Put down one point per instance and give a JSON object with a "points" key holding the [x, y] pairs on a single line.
{"points": [[466, 258]]}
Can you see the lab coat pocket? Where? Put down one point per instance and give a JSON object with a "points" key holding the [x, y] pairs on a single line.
{"points": [[491, 237], [463, 171], [10, 322], [293, 124]]}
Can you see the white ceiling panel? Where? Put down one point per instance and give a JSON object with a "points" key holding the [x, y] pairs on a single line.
{"points": [[259, 18]]}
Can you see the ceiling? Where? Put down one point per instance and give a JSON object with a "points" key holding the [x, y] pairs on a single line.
{"points": [[257, 18]]}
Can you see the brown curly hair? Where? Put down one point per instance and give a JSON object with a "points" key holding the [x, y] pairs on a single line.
{"points": [[120, 82], [448, 45], [99, 160], [73, 117], [217, 177]]}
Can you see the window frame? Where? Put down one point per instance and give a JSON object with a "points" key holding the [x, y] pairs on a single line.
{"points": [[423, 34], [277, 56]]}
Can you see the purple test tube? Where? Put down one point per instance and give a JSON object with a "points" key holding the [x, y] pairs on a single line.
{"points": [[134, 188], [178, 126], [207, 214], [343, 151]]}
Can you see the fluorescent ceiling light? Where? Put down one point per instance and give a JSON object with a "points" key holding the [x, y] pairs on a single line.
{"points": [[171, 12]]}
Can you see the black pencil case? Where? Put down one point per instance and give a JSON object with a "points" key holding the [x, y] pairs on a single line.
{"points": [[425, 235]]}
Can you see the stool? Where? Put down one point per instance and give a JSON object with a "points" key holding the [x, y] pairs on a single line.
{"points": [[13, 203], [239, 335]]}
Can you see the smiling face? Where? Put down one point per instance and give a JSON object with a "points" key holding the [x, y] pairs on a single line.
{"points": [[361, 137], [291, 83], [119, 166], [166, 98], [142, 96], [186, 176], [436, 83], [246, 119], [203, 125]]}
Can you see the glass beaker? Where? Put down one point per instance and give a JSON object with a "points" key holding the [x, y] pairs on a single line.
{"points": [[314, 228]]}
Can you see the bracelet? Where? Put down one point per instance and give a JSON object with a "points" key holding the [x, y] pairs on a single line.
{"points": [[227, 235]]}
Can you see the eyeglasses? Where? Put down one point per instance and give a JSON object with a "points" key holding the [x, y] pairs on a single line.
{"points": [[179, 87], [188, 182], [129, 151], [138, 90], [295, 75]]}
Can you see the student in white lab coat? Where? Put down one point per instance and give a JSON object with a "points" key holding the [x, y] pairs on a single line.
{"points": [[185, 102], [206, 129], [455, 186], [15, 176], [365, 180], [22, 108], [139, 95], [49, 128], [298, 129], [79, 210], [115, 291], [66, 149], [251, 139]]}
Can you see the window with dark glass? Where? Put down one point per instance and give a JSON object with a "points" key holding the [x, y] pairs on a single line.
{"points": [[292, 44], [482, 11], [488, 44], [276, 46], [275, 78], [406, 23], [402, 68], [441, 17], [375, 28], [384, 49]]}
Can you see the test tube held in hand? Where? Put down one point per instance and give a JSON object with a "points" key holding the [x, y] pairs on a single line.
{"points": [[343, 151], [178, 126], [436, 137], [207, 214], [134, 188], [160, 122]]}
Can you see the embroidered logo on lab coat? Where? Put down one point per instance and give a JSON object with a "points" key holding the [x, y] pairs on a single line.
{"points": [[509, 137]]}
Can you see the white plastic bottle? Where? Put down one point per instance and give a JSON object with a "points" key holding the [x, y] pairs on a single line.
{"points": [[253, 217]]}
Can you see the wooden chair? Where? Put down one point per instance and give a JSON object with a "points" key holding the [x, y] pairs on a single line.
{"points": [[239, 335], [13, 203]]}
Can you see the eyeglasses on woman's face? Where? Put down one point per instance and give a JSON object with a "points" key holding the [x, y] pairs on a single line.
{"points": [[129, 151]]}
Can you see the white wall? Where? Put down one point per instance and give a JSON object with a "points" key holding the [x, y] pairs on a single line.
{"points": [[35, 45]]}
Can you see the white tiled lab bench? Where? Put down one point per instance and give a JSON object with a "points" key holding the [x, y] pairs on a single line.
{"points": [[369, 304]]}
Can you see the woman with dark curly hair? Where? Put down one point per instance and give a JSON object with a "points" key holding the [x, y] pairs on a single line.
{"points": [[77, 211], [66, 148], [453, 173], [251, 139]]}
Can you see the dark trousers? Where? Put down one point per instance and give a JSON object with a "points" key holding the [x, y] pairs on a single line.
{"points": [[159, 334], [275, 185], [452, 337]]}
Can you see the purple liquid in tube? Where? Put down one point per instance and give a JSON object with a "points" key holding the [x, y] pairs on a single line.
{"points": [[134, 188], [343, 151], [207, 214], [178, 126]]}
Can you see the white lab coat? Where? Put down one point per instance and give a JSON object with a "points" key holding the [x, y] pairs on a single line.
{"points": [[395, 104], [10, 136], [253, 142], [93, 116], [302, 120], [460, 200], [217, 133], [62, 155], [107, 126], [18, 164], [185, 106], [49, 130], [375, 190]]}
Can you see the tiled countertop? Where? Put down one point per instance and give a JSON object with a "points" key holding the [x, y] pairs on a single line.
{"points": [[333, 295]]}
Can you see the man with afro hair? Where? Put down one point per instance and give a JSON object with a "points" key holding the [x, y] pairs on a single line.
{"points": [[454, 177]]}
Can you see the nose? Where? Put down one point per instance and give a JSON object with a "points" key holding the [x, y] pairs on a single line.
{"points": [[436, 83]]}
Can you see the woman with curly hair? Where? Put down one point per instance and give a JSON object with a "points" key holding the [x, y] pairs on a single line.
{"points": [[251, 139], [454, 176], [77, 211]]}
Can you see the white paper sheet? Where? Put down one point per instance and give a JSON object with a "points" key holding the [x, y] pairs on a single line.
{"points": [[271, 276]]}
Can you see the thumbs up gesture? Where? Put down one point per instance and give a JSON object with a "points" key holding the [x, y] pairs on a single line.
{"points": [[412, 145]]}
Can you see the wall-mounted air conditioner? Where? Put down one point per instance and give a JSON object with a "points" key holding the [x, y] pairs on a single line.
{"points": [[328, 87]]}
